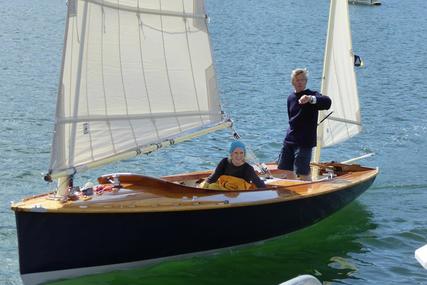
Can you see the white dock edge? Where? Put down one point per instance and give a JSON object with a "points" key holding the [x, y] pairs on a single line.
{"points": [[302, 280], [421, 255]]}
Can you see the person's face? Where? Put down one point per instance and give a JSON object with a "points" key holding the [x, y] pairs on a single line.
{"points": [[238, 156], [299, 82]]}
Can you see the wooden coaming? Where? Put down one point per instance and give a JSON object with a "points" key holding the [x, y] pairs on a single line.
{"points": [[147, 194]]}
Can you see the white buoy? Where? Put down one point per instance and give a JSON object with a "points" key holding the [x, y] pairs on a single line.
{"points": [[421, 255], [302, 280]]}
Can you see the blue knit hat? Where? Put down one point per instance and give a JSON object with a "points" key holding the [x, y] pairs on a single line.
{"points": [[237, 144]]}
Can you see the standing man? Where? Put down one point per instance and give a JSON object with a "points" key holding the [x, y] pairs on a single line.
{"points": [[301, 136]]}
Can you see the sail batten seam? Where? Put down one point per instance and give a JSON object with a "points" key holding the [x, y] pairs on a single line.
{"points": [[145, 10]]}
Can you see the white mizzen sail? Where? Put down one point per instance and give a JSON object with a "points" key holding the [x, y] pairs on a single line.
{"points": [[339, 81], [135, 73]]}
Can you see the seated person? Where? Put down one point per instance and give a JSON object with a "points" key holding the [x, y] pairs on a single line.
{"points": [[233, 173]]}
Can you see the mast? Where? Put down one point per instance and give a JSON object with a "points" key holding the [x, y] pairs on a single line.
{"points": [[324, 86], [58, 143]]}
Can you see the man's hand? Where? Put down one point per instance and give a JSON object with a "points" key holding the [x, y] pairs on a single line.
{"points": [[304, 99]]}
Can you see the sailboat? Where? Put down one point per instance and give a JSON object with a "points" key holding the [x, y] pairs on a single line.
{"points": [[365, 2], [138, 76]]}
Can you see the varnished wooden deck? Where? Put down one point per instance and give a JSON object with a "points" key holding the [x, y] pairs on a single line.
{"points": [[147, 194]]}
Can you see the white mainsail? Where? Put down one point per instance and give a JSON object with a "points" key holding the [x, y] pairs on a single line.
{"points": [[135, 74], [339, 81]]}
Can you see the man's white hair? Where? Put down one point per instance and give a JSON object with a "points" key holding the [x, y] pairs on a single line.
{"points": [[298, 71]]}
